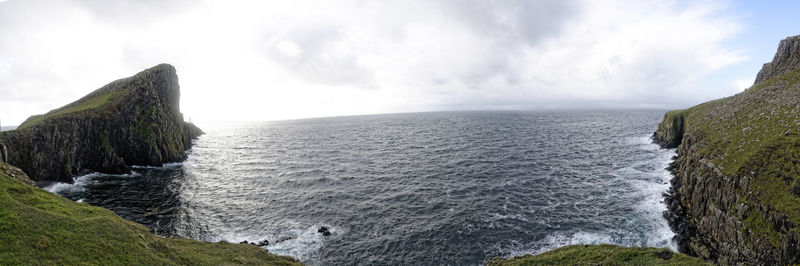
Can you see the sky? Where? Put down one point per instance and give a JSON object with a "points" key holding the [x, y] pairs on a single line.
{"points": [[272, 60]]}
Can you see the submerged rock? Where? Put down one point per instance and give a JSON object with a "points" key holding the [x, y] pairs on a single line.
{"points": [[324, 231], [131, 121]]}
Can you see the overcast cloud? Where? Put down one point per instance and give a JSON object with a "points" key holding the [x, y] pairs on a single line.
{"points": [[262, 60]]}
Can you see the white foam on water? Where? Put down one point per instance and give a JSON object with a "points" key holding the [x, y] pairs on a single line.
{"points": [[303, 242], [652, 206], [166, 165], [79, 183], [559, 240], [300, 243], [649, 186]]}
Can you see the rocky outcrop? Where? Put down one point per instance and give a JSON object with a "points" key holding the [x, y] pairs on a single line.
{"points": [[3, 153], [786, 59], [131, 121], [735, 195], [15, 173], [670, 130]]}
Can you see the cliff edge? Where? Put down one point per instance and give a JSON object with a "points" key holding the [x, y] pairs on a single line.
{"points": [[601, 255], [735, 195], [131, 121]]}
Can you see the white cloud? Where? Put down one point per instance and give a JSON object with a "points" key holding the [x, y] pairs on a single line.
{"points": [[288, 48], [742, 84], [254, 60]]}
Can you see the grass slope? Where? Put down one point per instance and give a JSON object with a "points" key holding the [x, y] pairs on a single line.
{"points": [[38, 227], [83, 105], [755, 134], [600, 255]]}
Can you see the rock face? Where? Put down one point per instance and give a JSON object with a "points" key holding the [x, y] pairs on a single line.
{"points": [[131, 121], [786, 59], [735, 196]]}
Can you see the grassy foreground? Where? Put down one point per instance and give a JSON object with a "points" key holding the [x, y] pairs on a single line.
{"points": [[601, 255], [39, 227]]}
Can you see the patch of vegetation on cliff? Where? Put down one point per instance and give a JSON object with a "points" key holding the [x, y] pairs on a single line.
{"points": [[602, 255], [735, 128], [38, 227], [144, 125], [105, 144], [82, 105]]}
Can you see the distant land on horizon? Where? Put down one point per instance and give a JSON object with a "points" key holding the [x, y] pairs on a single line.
{"points": [[555, 110]]}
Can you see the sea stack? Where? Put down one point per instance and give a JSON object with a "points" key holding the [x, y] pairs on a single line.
{"points": [[735, 196], [131, 121]]}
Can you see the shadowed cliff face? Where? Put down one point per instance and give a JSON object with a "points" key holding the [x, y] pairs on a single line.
{"points": [[131, 121], [735, 196]]}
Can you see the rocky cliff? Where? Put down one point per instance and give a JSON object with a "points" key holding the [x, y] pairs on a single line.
{"points": [[131, 121], [735, 196]]}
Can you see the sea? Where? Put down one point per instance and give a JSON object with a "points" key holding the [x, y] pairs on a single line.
{"points": [[441, 188]]}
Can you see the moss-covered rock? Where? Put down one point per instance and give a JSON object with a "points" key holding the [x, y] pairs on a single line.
{"points": [[131, 121], [15, 173], [735, 195], [602, 255], [40, 228]]}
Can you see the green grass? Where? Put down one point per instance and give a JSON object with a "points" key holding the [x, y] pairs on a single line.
{"points": [[83, 105], [41, 228], [743, 125], [600, 255]]}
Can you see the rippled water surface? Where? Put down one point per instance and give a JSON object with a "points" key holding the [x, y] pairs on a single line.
{"points": [[429, 188]]}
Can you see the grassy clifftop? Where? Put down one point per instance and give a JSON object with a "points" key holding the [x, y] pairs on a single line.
{"points": [[735, 128], [601, 255], [38, 227], [85, 106]]}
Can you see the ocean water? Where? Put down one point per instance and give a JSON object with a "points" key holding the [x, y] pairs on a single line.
{"points": [[455, 188]]}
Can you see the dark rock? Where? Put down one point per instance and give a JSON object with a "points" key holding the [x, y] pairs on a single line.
{"points": [[283, 238], [131, 121], [670, 131], [324, 231], [263, 243], [664, 254]]}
